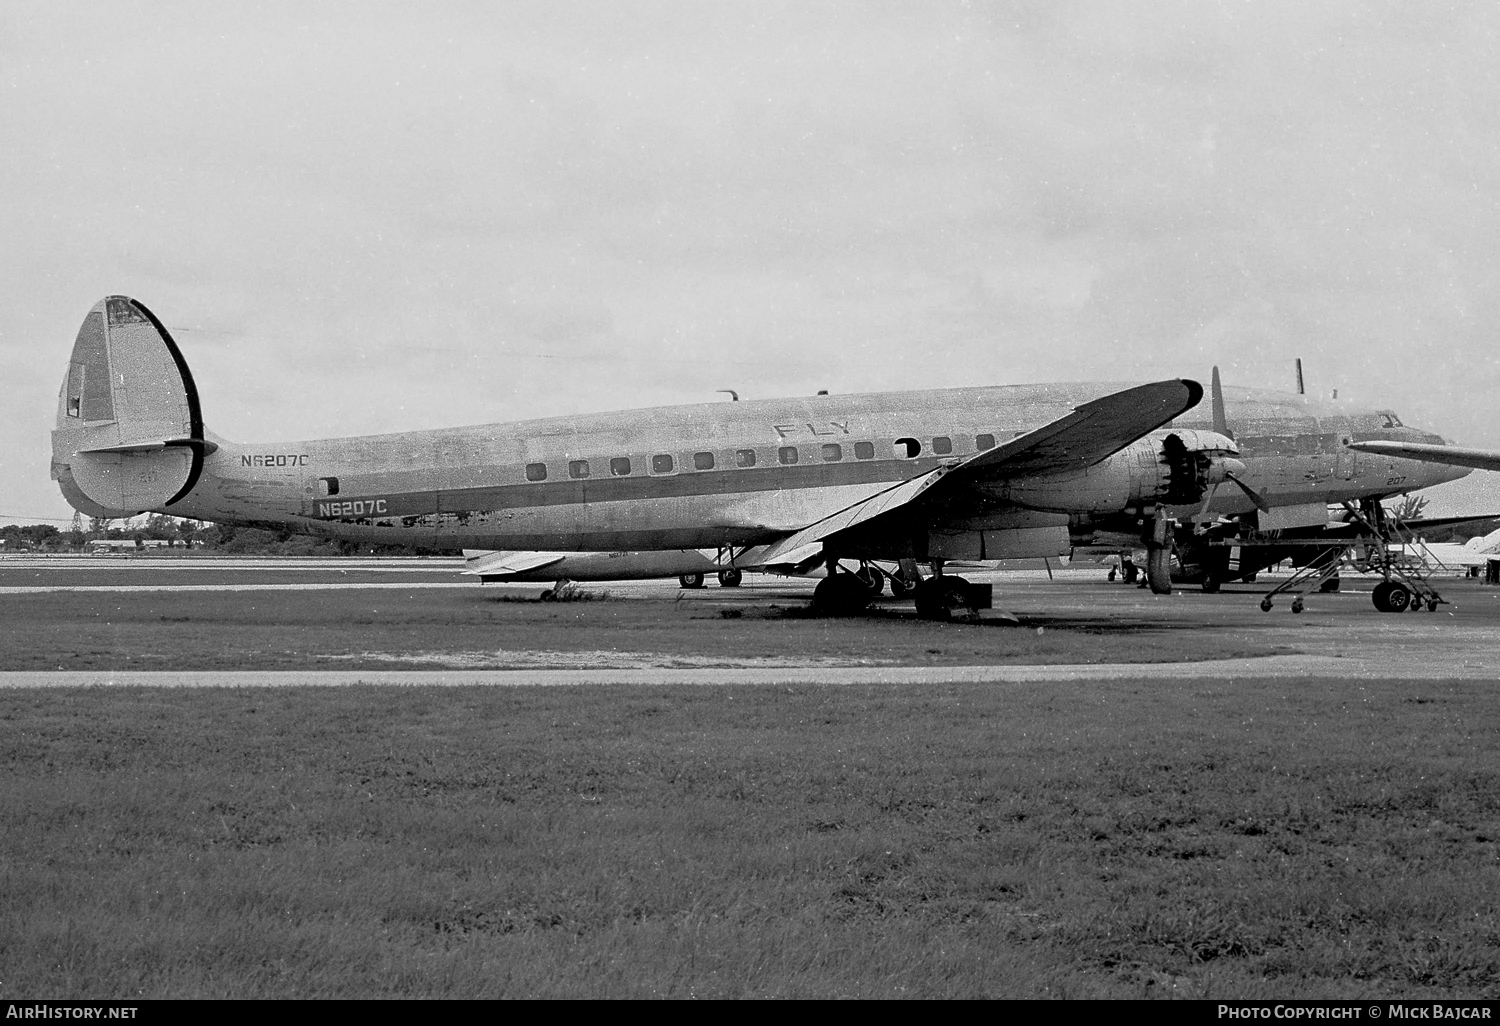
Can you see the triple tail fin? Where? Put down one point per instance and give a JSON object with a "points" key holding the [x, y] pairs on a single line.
{"points": [[129, 434]]}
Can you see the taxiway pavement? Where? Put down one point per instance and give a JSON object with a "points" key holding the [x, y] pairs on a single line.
{"points": [[1338, 635]]}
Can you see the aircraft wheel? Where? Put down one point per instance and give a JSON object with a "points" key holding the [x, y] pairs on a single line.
{"points": [[938, 598], [1381, 596], [1432, 605], [1159, 569], [691, 580], [1399, 599], [1297, 604], [841, 593], [730, 578], [1265, 605], [873, 577], [1111, 573], [899, 587]]}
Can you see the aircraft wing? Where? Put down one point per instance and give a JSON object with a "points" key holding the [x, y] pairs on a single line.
{"points": [[1482, 459], [1091, 433], [482, 562], [787, 549]]}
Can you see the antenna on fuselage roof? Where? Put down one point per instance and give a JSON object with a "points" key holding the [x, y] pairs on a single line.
{"points": [[734, 396], [1300, 389]]}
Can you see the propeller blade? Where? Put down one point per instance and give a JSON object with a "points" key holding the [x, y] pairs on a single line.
{"points": [[1255, 497], [1221, 422], [1208, 497]]}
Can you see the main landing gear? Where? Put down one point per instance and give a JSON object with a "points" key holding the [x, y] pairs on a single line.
{"points": [[942, 597], [938, 597], [731, 578]]}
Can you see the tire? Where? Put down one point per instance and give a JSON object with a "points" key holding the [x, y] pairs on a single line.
{"points": [[938, 598], [1399, 599], [1381, 595], [730, 578], [691, 580], [1159, 569], [899, 587], [840, 594]]}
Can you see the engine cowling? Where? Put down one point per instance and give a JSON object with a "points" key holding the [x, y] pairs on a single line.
{"points": [[1166, 468]]}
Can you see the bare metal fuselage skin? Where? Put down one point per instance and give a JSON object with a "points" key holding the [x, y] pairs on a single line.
{"points": [[469, 487]]}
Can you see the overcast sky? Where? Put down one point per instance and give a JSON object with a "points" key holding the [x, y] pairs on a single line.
{"points": [[375, 217]]}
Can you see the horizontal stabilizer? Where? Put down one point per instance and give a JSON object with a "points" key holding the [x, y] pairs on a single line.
{"points": [[1452, 455], [495, 563], [156, 445]]}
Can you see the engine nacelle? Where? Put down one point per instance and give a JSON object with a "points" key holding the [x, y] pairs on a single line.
{"points": [[1166, 468]]}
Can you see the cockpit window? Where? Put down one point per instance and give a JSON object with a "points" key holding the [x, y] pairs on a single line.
{"points": [[1388, 419]]}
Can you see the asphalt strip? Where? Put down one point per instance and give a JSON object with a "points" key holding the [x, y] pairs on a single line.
{"points": [[321, 586], [1279, 666]]}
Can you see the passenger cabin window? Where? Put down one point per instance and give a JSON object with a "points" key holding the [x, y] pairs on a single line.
{"points": [[328, 486], [942, 445], [578, 468], [908, 448], [744, 458], [832, 452], [983, 442], [620, 466], [535, 472], [864, 450], [787, 454], [703, 461], [661, 464]]}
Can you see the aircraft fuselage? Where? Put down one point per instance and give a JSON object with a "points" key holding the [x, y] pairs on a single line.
{"points": [[731, 474]]}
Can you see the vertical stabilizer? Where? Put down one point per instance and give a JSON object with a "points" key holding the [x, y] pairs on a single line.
{"points": [[129, 433]]}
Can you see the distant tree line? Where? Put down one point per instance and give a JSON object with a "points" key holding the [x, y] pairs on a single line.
{"points": [[194, 534]]}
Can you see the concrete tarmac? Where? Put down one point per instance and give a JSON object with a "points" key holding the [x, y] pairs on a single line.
{"points": [[1277, 666], [1340, 635]]}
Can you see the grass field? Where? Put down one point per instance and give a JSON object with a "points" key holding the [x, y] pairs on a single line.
{"points": [[1213, 839]]}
